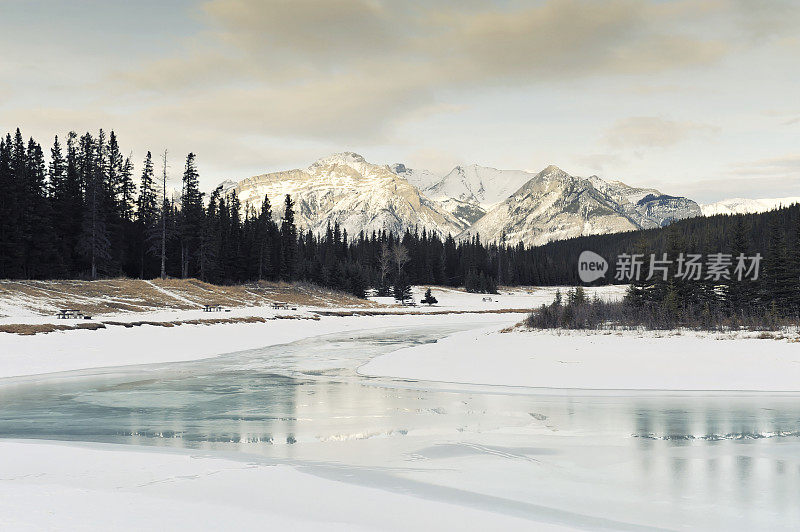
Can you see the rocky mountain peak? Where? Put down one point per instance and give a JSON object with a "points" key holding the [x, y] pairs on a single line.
{"points": [[554, 172], [345, 157]]}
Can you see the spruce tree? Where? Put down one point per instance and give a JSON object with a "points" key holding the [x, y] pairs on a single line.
{"points": [[402, 288], [778, 281], [210, 239], [264, 238], [146, 217], [288, 241], [191, 216], [17, 197], [127, 191], [429, 299], [740, 291], [7, 210], [94, 241], [40, 245]]}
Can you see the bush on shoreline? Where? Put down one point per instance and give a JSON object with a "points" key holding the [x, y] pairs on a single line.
{"points": [[579, 312]]}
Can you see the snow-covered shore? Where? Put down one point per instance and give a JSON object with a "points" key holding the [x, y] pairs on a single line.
{"points": [[117, 345], [146, 344], [599, 361], [52, 486]]}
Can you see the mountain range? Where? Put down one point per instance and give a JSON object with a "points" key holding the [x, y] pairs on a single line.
{"points": [[746, 206], [499, 205]]}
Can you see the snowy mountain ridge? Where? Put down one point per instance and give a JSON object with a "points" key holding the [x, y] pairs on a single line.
{"points": [[554, 205], [346, 189], [480, 185], [746, 206], [510, 205]]}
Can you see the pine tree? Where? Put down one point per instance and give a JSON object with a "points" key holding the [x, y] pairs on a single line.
{"points": [[265, 235], [429, 299], [8, 220], [17, 197], [191, 217], [39, 239], [69, 212], [94, 242], [288, 241], [114, 165], [402, 288], [210, 241], [146, 217], [127, 191], [739, 292], [794, 266], [778, 281]]}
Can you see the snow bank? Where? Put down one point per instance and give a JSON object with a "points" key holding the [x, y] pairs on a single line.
{"points": [[146, 344], [113, 487], [691, 361]]}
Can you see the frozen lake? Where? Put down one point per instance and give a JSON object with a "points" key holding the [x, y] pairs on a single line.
{"points": [[587, 459]]}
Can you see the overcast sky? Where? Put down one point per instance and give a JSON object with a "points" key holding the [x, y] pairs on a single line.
{"points": [[696, 97]]}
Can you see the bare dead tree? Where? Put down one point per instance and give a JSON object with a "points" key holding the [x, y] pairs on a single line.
{"points": [[384, 261], [400, 256], [164, 218]]}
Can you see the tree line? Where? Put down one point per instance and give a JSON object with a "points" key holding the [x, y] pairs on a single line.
{"points": [[772, 287], [87, 212]]}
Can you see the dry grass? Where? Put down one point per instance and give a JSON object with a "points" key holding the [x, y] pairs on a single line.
{"points": [[27, 329], [133, 295]]}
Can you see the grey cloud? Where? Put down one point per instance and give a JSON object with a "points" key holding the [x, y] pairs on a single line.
{"points": [[342, 107], [651, 132], [782, 166], [349, 69], [312, 30], [556, 40]]}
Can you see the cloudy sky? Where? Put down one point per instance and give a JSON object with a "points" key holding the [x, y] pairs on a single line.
{"points": [[696, 97]]}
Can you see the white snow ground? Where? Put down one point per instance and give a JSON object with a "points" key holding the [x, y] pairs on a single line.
{"points": [[51, 486], [599, 361], [120, 346]]}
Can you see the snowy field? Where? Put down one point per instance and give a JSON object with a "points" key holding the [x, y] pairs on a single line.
{"points": [[515, 298], [47, 486], [119, 346], [599, 361]]}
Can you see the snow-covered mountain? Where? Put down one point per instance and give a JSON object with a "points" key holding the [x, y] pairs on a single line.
{"points": [[421, 179], [465, 211], [346, 189], [228, 186], [519, 206], [554, 205], [647, 207], [478, 185], [746, 206]]}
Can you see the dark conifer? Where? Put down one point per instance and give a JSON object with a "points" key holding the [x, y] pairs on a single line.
{"points": [[191, 219], [288, 241]]}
